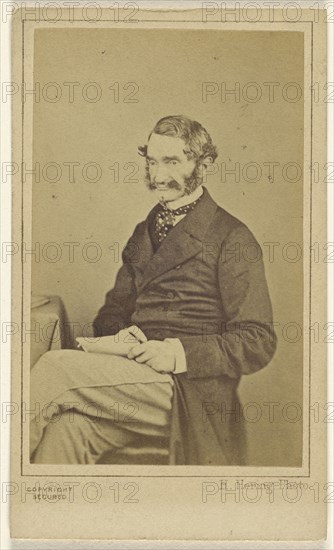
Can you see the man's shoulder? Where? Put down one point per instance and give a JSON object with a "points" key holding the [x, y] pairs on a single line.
{"points": [[142, 225], [226, 225], [138, 231], [225, 217]]}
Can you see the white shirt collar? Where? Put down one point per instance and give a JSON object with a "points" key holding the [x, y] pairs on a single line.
{"points": [[186, 199]]}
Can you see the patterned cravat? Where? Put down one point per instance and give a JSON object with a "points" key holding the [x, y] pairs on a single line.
{"points": [[165, 219]]}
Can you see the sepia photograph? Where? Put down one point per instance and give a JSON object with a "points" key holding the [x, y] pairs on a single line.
{"points": [[169, 266], [186, 299]]}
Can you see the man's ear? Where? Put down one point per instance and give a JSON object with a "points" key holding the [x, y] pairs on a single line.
{"points": [[206, 161]]}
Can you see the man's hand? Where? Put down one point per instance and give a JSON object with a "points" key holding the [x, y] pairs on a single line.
{"points": [[117, 344], [158, 355]]}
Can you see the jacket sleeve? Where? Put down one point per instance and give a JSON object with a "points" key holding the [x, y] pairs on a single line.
{"points": [[246, 341], [119, 304]]}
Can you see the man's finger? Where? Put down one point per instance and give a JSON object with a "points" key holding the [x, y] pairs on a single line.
{"points": [[137, 350], [137, 333], [144, 357]]}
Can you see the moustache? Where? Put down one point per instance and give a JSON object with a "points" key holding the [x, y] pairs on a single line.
{"points": [[172, 184]]}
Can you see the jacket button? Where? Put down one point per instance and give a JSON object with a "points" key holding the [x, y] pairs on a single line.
{"points": [[177, 267], [171, 294]]}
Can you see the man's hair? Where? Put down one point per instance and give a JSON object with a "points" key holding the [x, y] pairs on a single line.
{"points": [[196, 138]]}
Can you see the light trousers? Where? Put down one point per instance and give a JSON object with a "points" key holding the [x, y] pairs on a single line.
{"points": [[87, 403]]}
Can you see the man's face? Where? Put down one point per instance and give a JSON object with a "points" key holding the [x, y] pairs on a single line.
{"points": [[170, 173]]}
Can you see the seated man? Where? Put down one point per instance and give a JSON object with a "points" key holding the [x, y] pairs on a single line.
{"points": [[190, 316]]}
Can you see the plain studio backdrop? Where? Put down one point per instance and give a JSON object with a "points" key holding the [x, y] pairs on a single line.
{"points": [[91, 132]]}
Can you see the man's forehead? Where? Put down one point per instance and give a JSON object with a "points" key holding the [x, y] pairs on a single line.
{"points": [[159, 145]]}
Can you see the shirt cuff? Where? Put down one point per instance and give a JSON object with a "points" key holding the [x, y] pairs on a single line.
{"points": [[180, 356]]}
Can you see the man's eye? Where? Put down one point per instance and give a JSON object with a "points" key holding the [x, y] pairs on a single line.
{"points": [[151, 162], [173, 162]]}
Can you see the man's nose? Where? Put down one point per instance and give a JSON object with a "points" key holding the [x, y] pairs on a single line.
{"points": [[161, 174]]}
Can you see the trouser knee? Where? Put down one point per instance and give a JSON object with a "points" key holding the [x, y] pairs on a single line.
{"points": [[68, 423]]}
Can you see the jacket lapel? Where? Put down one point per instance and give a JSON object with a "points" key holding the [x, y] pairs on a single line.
{"points": [[183, 242]]}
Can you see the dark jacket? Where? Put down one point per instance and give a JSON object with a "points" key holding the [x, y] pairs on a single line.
{"points": [[206, 286]]}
